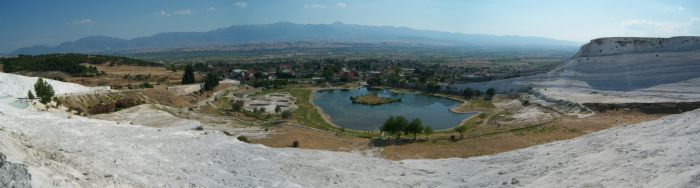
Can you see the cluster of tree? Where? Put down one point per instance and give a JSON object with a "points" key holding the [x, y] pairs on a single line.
{"points": [[72, 68], [237, 106], [44, 91], [68, 63], [188, 76], [469, 93], [397, 125], [279, 83], [211, 81]]}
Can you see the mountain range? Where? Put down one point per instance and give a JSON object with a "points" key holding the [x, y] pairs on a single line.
{"points": [[289, 32]]}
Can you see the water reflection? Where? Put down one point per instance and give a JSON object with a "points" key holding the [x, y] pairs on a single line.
{"points": [[432, 110]]}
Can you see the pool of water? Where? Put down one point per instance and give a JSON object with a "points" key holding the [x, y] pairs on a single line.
{"points": [[19, 104], [431, 110]]}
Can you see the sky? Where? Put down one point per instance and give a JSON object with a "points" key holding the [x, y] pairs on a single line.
{"points": [[49, 22]]}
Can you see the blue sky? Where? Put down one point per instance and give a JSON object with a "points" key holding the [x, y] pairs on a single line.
{"points": [[49, 22]]}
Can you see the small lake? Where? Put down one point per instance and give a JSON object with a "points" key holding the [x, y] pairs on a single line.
{"points": [[431, 110]]}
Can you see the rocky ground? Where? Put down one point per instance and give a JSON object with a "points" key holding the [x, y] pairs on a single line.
{"points": [[63, 151]]}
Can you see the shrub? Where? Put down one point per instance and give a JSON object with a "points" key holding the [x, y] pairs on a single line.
{"points": [[295, 144], [30, 95], [44, 90], [126, 103], [278, 109], [211, 81], [286, 114], [146, 85], [237, 106], [243, 139], [102, 108]]}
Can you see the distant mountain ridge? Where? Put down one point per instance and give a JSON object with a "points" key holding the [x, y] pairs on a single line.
{"points": [[287, 32]]}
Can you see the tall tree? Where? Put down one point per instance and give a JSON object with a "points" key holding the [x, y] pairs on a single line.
{"points": [[468, 93], [490, 93], [428, 130], [461, 130], [415, 127], [30, 95], [211, 81], [237, 106], [44, 90], [388, 126], [188, 76], [400, 124]]}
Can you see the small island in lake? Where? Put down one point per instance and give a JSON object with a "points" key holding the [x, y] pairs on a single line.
{"points": [[372, 99]]}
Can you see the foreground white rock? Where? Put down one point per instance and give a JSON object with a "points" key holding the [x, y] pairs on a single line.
{"points": [[82, 152]]}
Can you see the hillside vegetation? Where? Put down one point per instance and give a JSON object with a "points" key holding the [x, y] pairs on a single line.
{"points": [[71, 64]]}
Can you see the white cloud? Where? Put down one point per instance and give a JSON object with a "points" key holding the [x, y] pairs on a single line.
{"points": [[341, 5], [177, 12], [651, 28], [82, 22], [183, 12], [163, 13], [211, 9], [675, 9], [240, 4], [314, 6]]}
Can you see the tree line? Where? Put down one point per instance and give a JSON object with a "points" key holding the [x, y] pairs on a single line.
{"points": [[397, 125], [67, 63]]}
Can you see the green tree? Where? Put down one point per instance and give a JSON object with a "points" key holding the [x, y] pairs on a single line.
{"points": [[428, 130], [188, 76], [468, 93], [490, 93], [211, 82], [376, 81], [477, 93], [44, 90], [461, 130], [388, 126], [30, 95], [146, 85], [400, 124], [394, 125], [286, 114], [415, 127], [237, 106], [278, 109]]}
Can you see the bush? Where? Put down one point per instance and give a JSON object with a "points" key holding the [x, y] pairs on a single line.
{"points": [[44, 90], [237, 106], [146, 85], [295, 144], [243, 139], [102, 108], [126, 103], [286, 114], [211, 81], [30, 95]]}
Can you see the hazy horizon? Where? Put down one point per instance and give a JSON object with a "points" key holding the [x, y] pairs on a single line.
{"points": [[31, 23]]}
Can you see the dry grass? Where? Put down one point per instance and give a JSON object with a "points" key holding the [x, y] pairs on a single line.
{"points": [[283, 136], [479, 140], [372, 100], [124, 75]]}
